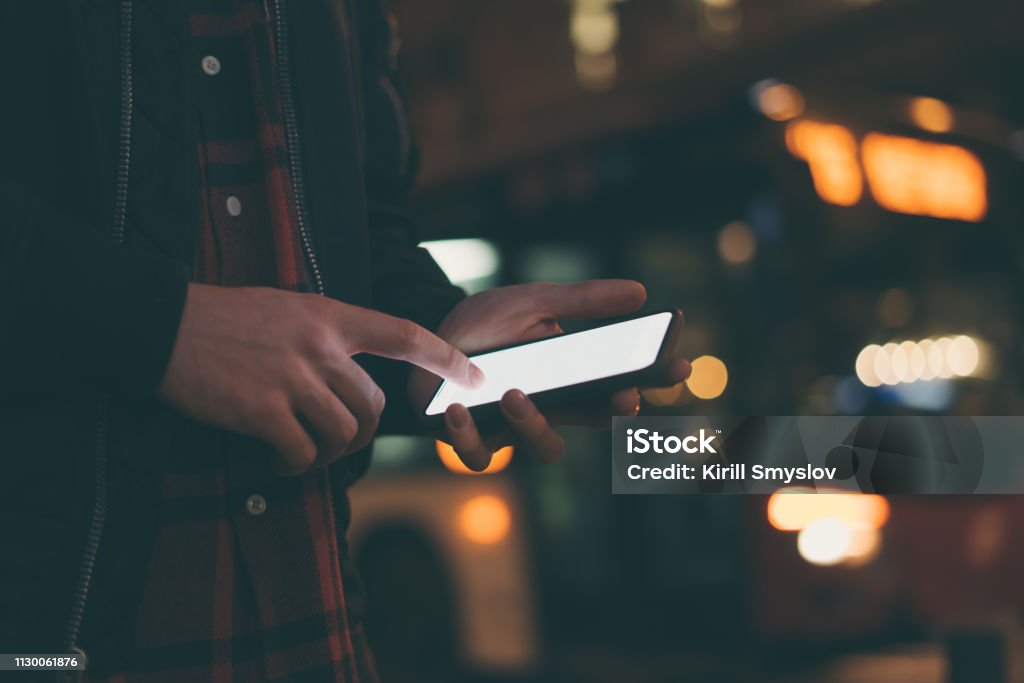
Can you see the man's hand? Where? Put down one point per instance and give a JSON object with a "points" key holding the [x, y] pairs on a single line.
{"points": [[520, 313], [278, 365]]}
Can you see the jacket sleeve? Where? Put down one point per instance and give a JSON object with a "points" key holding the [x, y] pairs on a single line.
{"points": [[76, 309], [406, 280]]}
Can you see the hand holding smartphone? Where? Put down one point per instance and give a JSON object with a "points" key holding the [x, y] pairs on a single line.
{"points": [[566, 369]]}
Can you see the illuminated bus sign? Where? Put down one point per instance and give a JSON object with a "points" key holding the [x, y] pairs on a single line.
{"points": [[905, 175]]}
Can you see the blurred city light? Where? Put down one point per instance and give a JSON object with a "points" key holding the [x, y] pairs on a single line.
{"points": [[736, 243], [865, 544], [934, 395], [963, 356], [663, 396], [778, 101], [719, 21], [465, 260], [830, 151], [499, 459], [895, 307], [484, 519], [911, 361], [552, 262], [833, 527], [594, 31], [597, 73], [924, 178], [905, 175], [851, 397], [708, 377], [825, 541], [931, 114], [791, 510]]}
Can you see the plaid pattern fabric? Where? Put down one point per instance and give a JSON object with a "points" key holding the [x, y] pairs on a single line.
{"points": [[242, 154], [244, 580]]}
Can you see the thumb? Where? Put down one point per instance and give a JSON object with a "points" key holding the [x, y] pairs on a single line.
{"points": [[592, 298]]}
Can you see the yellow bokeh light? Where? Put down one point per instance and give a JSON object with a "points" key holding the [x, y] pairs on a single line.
{"points": [[924, 178], [789, 511], [594, 32], [865, 544], [938, 358], [780, 102], [883, 364], [736, 243], [484, 519], [963, 356], [825, 541], [499, 460], [918, 363], [931, 114], [663, 396], [928, 372], [925, 360], [708, 377], [865, 366], [831, 153]]}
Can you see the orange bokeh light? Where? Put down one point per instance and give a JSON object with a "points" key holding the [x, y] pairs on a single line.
{"points": [[499, 461], [931, 114], [791, 511], [484, 519], [831, 153], [925, 178]]}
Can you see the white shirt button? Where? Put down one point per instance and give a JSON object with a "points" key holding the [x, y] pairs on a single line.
{"points": [[234, 205], [211, 65], [256, 505]]}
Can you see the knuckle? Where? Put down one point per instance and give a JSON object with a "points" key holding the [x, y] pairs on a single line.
{"points": [[378, 401], [348, 428], [319, 341], [410, 335], [305, 454]]}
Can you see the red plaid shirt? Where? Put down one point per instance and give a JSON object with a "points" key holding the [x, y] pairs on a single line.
{"points": [[245, 579]]}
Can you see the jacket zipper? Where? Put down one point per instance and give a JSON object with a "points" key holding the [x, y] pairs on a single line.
{"points": [[291, 133], [99, 511]]}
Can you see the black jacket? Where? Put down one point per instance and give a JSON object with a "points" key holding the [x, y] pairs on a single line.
{"points": [[84, 314]]}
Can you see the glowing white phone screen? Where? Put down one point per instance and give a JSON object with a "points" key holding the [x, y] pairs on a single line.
{"points": [[561, 361]]}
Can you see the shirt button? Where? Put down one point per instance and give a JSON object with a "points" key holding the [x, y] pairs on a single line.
{"points": [[256, 505], [234, 205], [211, 65]]}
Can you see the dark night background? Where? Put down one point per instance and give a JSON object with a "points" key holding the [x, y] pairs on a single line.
{"points": [[721, 152]]}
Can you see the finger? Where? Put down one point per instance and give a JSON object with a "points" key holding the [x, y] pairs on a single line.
{"points": [[332, 424], [591, 298], [361, 395], [626, 403], [385, 335], [530, 427], [295, 448], [465, 438], [679, 370]]}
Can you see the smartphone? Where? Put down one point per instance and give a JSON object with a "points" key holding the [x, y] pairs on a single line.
{"points": [[567, 369]]}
